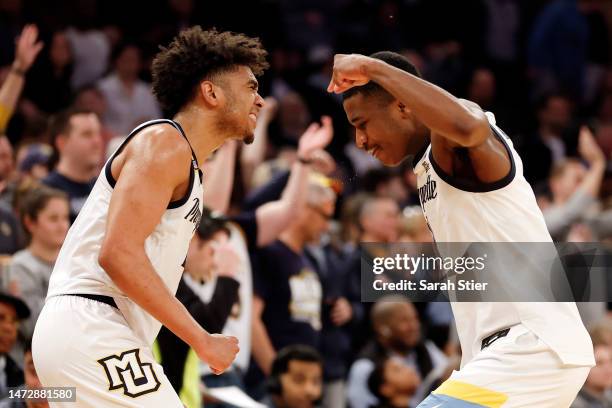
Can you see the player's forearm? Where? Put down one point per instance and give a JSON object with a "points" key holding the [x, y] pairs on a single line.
{"points": [[437, 109], [219, 178], [135, 276], [263, 351]]}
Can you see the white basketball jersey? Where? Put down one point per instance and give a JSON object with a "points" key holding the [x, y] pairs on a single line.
{"points": [[505, 211], [77, 270]]}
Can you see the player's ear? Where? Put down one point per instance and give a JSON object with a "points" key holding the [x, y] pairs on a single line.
{"points": [[210, 93]]}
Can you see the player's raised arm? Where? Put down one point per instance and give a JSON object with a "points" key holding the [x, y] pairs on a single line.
{"points": [[154, 169], [460, 123]]}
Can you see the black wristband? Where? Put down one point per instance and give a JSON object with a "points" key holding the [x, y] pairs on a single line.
{"points": [[304, 161]]}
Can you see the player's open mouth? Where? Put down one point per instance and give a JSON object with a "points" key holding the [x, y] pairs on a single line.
{"points": [[373, 151]]}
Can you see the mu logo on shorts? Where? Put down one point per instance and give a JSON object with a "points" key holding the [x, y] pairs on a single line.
{"points": [[128, 372]]}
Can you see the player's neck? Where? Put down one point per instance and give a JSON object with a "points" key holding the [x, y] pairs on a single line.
{"points": [[200, 130], [596, 392]]}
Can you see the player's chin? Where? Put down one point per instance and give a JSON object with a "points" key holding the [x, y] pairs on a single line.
{"points": [[387, 159]]}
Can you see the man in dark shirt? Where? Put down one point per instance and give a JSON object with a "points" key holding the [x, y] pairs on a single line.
{"points": [[77, 138], [209, 257], [287, 290]]}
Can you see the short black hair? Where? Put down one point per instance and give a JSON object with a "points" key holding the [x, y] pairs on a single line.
{"points": [[195, 55], [376, 379], [543, 101], [211, 223], [373, 178], [60, 122], [372, 88], [295, 352]]}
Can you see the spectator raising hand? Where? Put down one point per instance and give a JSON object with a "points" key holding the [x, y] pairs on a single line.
{"points": [[574, 189], [27, 49], [588, 148], [315, 137]]}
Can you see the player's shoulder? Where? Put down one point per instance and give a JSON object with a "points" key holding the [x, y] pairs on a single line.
{"points": [[160, 143]]}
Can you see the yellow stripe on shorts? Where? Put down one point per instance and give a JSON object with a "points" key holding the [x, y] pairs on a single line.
{"points": [[472, 393]]}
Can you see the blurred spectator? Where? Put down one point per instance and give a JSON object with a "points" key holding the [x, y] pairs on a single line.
{"points": [[413, 226], [341, 314], [10, 238], [32, 382], [557, 48], [90, 98], [393, 383], [33, 161], [7, 166], [90, 46], [253, 155], [295, 379], [44, 214], [503, 26], [385, 182], [547, 146], [397, 333], [27, 48], [48, 83], [12, 311], [129, 100], [78, 142], [287, 290], [267, 212], [379, 220], [481, 89], [209, 257], [574, 189], [597, 390]]}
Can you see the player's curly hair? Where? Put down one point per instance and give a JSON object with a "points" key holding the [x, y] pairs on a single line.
{"points": [[195, 55]]}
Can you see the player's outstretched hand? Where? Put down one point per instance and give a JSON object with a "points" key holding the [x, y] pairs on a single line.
{"points": [[316, 137], [218, 351], [349, 71]]}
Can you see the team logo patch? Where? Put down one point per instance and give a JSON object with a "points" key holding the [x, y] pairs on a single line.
{"points": [[194, 215], [126, 371], [428, 191]]}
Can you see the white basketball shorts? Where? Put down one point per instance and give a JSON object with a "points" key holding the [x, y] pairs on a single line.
{"points": [[87, 344], [518, 370]]}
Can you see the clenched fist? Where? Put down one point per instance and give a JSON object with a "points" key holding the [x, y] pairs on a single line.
{"points": [[218, 351]]}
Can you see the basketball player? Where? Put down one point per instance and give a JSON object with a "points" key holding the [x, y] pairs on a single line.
{"points": [[114, 281], [513, 354]]}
